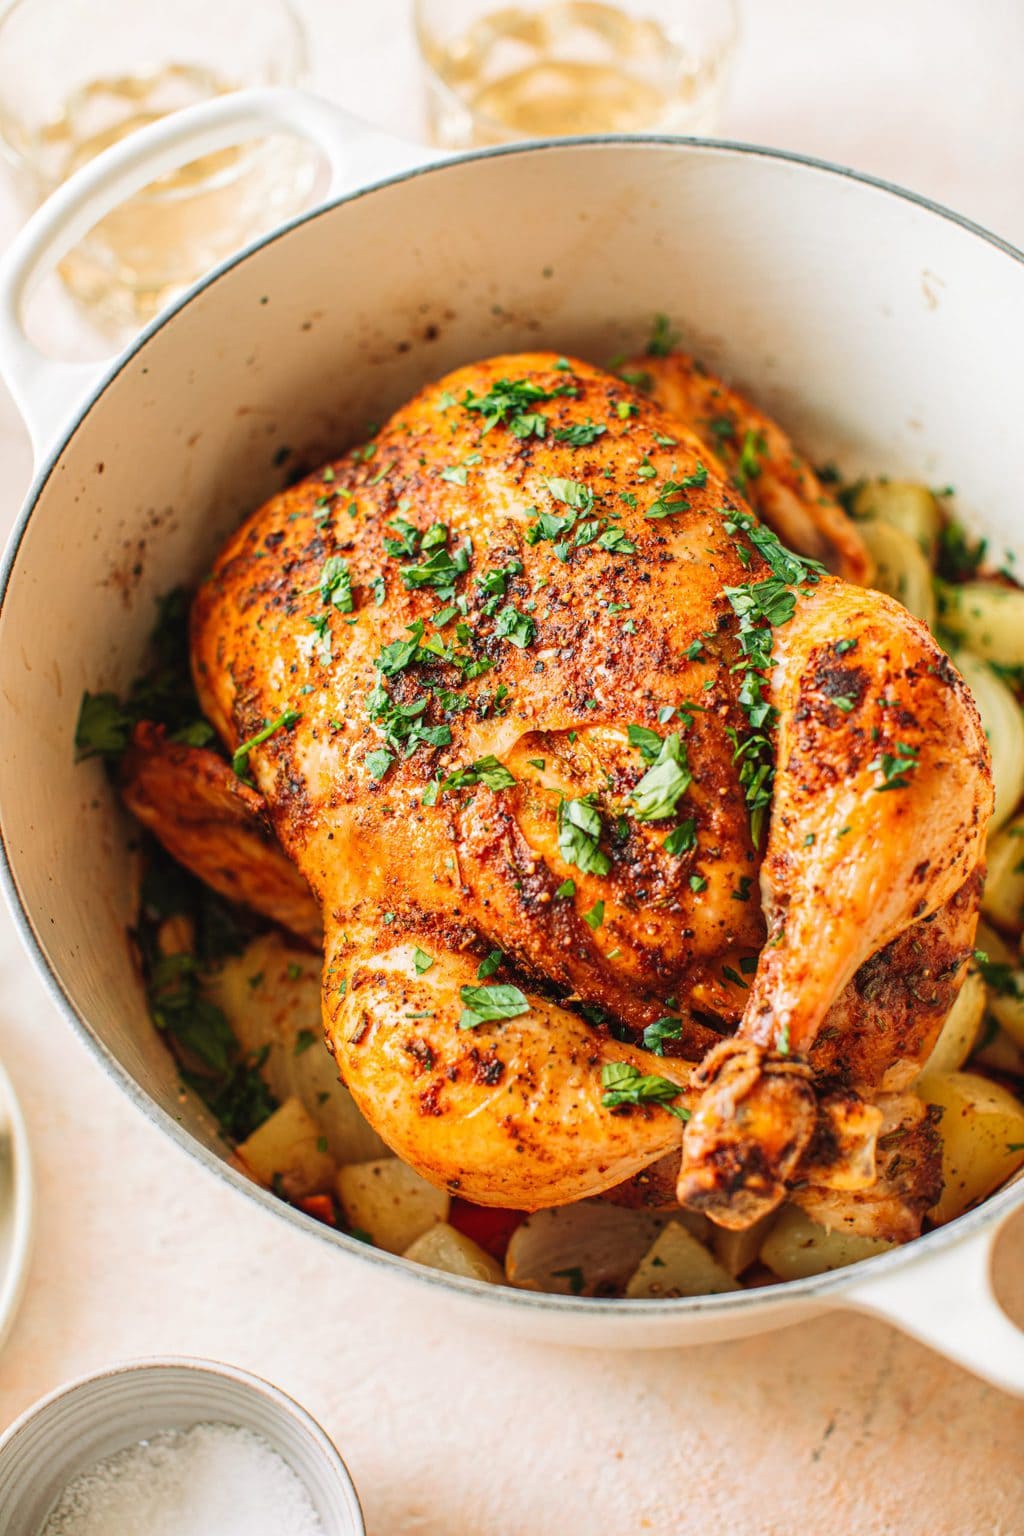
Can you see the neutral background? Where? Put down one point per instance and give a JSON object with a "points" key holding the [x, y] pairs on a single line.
{"points": [[840, 1425]]}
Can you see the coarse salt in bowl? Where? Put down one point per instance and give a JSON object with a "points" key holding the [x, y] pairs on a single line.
{"points": [[169, 1439]]}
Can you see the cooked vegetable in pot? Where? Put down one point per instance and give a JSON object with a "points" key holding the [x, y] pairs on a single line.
{"points": [[614, 801]]}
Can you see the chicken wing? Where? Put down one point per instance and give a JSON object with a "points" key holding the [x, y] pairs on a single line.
{"points": [[217, 826]]}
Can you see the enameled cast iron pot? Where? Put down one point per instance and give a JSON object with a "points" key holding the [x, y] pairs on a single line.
{"points": [[876, 325]]}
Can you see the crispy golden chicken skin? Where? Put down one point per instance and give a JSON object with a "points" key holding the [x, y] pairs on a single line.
{"points": [[499, 658], [760, 461]]}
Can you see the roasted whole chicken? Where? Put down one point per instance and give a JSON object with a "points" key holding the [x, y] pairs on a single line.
{"points": [[647, 851]]}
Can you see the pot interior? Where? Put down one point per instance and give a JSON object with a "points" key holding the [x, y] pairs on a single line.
{"points": [[875, 328]]}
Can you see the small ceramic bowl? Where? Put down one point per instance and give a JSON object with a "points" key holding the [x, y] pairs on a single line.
{"points": [[80, 1424]]}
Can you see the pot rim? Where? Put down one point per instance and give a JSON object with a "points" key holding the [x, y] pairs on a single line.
{"points": [[830, 1285]]}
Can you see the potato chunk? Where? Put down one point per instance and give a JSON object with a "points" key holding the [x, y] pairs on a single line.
{"points": [[676, 1264], [1005, 993], [900, 568], [987, 617], [960, 1027], [737, 1250], [1003, 899], [587, 1249], [797, 1247], [905, 504], [1004, 726], [390, 1203], [270, 994], [288, 1151], [443, 1248], [982, 1131]]}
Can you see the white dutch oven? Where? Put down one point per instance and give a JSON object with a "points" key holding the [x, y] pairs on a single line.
{"points": [[879, 327]]}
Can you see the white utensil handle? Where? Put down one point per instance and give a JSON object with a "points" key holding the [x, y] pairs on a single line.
{"points": [[947, 1302], [48, 392]]}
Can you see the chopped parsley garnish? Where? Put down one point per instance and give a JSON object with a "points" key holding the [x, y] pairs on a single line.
{"points": [[489, 1005], [782, 562], [399, 654], [515, 627], [571, 493], [638, 378], [1004, 980], [595, 917], [682, 838], [510, 400], [493, 585], [422, 961], [661, 1030], [528, 424], [336, 584], [587, 532], [698, 884], [455, 474], [565, 890], [580, 435], [663, 337], [164, 694], [760, 607], [405, 545], [104, 728], [752, 451], [894, 767], [615, 541], [284, 722], [579, 833], [440, 571], [210, 1060], [647, 742], [378, 762], [625, 1084], [958, 557], [303, 1040], [656, 795], [401, 726], [486, 771], [490, 965], [672, 497], [321, 626], [549, 526]]}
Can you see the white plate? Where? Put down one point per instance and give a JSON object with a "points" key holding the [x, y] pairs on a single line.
{"points": [[17, 1202]]}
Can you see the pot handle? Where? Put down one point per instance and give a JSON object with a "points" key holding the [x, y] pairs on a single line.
{"points": [[47, 391], [947, 1301]]}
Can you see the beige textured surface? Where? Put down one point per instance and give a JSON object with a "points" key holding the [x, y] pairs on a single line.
{"points": [[839, 1425]]}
